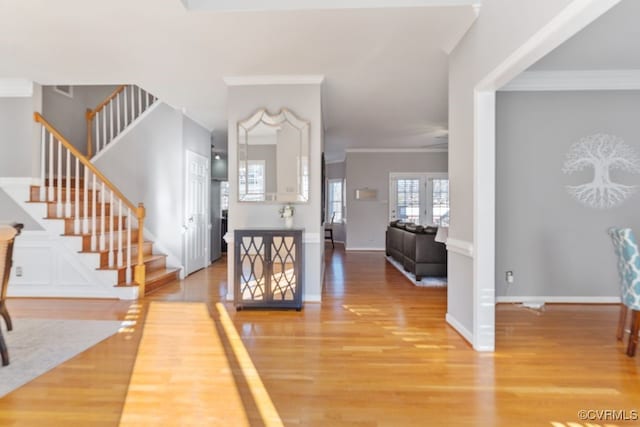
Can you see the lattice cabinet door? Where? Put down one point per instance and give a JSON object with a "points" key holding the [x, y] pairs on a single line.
{"points": [[268, 268]]}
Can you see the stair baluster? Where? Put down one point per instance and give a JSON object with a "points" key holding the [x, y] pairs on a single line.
{"points": [[76, 214], [76, 218], [43, 165], [51, 169], [67, 205], [111, 229], [94, 211], [59, 187]]}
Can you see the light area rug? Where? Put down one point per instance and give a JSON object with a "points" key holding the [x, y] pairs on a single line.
{"points": [[39, 345], [426, 282]]}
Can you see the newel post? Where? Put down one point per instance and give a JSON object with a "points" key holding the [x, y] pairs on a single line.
{"points": [[139, 274]]}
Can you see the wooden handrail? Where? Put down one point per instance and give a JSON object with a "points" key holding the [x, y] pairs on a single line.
{"points": [[92, 113], [85, 161]]}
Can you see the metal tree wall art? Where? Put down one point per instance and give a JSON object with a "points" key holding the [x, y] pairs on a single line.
{"points": [[603, 153]]}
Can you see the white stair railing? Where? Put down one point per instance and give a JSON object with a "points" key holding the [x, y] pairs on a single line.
{"points": [[59, 161], [113, 115]]}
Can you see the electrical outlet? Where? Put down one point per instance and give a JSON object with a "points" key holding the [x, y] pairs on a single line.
{"points": [[508, 277], [18, 271]]}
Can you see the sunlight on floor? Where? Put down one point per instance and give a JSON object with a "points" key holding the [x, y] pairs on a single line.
{"points": [[182, 375]]}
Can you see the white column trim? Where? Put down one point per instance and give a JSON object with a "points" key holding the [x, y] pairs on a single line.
{"points": [[575, 80], [461, 247]]}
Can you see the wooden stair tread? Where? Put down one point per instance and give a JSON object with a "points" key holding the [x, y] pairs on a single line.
{"points": [[106, 251], [134, 260]]}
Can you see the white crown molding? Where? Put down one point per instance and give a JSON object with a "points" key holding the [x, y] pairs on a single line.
{"points": [[574, 80], [461, 247], [396, 150], [260, 5], [16, 88], [274, 80]]}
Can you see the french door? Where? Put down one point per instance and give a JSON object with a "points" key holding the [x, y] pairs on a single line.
{"points": [[421, 198]]}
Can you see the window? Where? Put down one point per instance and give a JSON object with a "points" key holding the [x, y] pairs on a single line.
{"points": [[251, 176], [224, 195], [420, 198], [408, 200], [335, 200], [440, 201]]}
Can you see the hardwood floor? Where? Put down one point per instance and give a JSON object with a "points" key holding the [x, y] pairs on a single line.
{"points": [[376, 352]]}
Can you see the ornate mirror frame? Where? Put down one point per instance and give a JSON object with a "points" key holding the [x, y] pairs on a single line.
{"points": [[263, 116]]}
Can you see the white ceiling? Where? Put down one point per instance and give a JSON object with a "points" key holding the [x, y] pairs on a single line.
{"points": [[386, 69], [612, 42]]}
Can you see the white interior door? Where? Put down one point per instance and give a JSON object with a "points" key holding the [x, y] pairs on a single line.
{"points": [[196, 240]]}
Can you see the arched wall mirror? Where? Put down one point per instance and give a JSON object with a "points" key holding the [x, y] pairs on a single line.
{"points": [[273, 158]]}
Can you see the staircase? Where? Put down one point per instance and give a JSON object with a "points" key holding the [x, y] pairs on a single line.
{"points": [[80, 203]]}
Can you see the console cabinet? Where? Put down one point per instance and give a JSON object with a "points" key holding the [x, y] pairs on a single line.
{"points": [[268, 268]]}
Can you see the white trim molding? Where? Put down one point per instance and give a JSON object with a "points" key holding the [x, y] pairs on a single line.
{"points": [[16, 88], [396, 150], [558, 299], [461, 247], [18, 181], [575, 80], [274, 80], [455, 324]]}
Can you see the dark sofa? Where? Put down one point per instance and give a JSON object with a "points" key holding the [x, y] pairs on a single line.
{"points": [[414, 247]]}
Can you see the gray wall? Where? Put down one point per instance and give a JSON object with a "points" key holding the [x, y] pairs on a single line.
{"points": [[68, 114], [337, 171], [147, 165], [19, 136], [367, 220], [554, 245]]}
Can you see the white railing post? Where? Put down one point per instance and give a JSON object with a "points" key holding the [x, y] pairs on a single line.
{"points": [[76, 221], [120, 235], [94, 209], [85, 202], [43, 163], [118, 113], [51, 195], [59, 181], [111, 212], [102, 219], [104, 128], [67, 205], [139, 100], [128, 260], [111, 136], [126, 108]]}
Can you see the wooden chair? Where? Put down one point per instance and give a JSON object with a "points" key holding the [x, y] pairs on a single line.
{"points": [[7, 237], [328, 230], [626, 248]]}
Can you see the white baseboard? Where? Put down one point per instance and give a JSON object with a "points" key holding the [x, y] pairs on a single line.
{"points": [[455, 324], [559, 300]]}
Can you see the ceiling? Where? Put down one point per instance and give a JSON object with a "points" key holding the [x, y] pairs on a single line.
{"points": [[386, 69], [612, 42]]}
